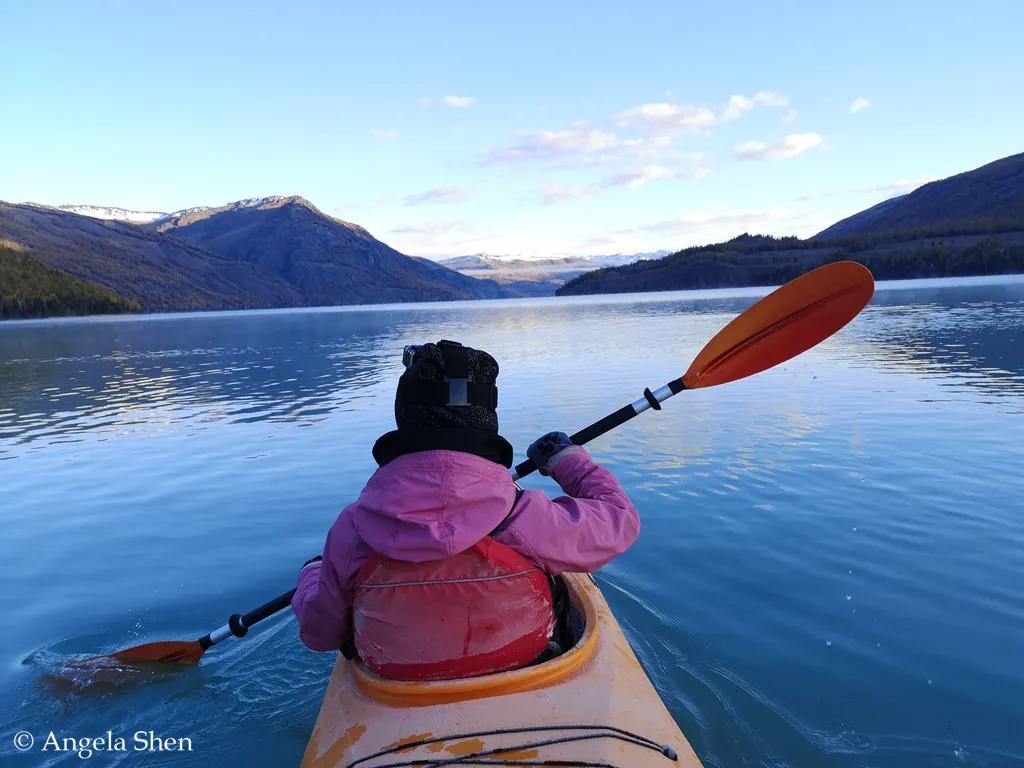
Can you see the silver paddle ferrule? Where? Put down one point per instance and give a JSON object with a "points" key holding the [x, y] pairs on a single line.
{"points": [[220, 634], [661, 394]]}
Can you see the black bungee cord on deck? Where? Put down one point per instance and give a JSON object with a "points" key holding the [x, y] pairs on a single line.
{"points": [[479, 758], [537, 763]]}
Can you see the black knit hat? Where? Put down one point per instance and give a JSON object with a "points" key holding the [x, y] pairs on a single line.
{"points": [[446, 400], [427, 366]]}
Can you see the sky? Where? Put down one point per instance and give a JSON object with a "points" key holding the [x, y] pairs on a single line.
{"points": [[534, 129]]}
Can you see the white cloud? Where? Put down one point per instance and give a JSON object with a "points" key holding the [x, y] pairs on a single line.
{"points": [[790, 117], [792, 145], [547, 145], [654, 127], [739, 104], [634, 179], [662, 116], [451, 102], [552, 195], [629, 179], [859, 105], [386, 133], [439, 195], [584, 145]]}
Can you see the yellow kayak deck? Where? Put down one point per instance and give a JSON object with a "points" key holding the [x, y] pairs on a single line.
{"points": [[593, 706]]}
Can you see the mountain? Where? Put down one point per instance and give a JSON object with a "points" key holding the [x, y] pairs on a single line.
{"points": [[990, 198], [536, 277], [270, 252], [28, 289], [284, 252], [969, 224], [114, 214], [327, 260], [162, 273]]}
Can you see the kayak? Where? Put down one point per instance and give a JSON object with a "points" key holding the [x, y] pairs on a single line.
{"points": [[592, 706]]}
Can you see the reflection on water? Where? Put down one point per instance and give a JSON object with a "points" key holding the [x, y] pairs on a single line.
{"points": [[829, 568], [966, 336], [61, 379], [120, 378]]}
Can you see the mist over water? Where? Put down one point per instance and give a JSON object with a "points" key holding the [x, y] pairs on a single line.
{"points": [[829, 571]]}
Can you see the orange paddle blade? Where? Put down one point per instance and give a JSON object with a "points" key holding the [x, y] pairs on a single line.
{"points": [[172, 652], [789, 320], [102, 675]]}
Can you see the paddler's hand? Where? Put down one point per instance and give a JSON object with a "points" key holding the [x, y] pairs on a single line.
{"points": [[545, 451]]}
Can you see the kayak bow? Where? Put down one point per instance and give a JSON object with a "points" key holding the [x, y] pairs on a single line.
{"points": [[591, 706]]}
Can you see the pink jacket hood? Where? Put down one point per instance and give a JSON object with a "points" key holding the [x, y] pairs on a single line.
{"points": [[432, 504]]}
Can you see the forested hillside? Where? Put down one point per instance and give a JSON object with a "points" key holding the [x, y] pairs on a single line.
{"points": [[28, 289], [987, 199], [969, 224], [762, 260]]}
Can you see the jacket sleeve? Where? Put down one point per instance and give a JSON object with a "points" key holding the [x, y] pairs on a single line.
{"points": [[582, 531], [323, 596]]}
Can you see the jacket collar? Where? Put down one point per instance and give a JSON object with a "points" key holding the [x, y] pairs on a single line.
{"points": [[483, 443]]}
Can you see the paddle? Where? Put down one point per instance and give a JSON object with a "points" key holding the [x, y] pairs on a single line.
{"points": [[786, 322], [789, 320], [190, 651]]}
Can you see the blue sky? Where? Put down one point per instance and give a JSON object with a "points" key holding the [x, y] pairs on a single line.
{"points": [[531, 128]]}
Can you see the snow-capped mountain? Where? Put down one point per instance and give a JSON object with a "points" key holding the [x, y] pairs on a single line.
{"points": [[152, 217], [538, 277], [114, 214], [509, 262], [187, 216]]}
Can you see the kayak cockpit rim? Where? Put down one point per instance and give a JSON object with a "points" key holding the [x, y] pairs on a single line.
{"points": [[398, 693]]}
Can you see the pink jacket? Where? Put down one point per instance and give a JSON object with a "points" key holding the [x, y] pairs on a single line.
{"points": [[433, 504]]}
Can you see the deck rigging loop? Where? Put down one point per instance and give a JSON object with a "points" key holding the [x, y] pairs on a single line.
{"points": [[493, 756]]}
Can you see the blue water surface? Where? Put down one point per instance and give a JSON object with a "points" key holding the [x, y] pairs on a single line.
{"points": [[830, 571]]}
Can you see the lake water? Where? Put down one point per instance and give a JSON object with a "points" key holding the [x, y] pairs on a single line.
{"points": [[830, 571]]}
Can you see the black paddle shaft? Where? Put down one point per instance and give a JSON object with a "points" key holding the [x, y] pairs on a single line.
{"points": [[238, 624], [612, 420], [279, 603]]}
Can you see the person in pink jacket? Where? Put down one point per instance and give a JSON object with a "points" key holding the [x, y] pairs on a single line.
{"points": [[438, 569]]}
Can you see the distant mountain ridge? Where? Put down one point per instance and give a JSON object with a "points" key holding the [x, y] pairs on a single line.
{"points": [[989, 198], [328, 260], [264, 252], [537, 277], [968, 224]]}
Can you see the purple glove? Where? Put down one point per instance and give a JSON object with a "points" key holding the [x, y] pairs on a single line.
{"points": [[544, 451]]}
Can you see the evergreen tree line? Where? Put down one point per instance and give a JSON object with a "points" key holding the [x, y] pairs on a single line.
{"points": [[766, 260], [29, 289]]}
